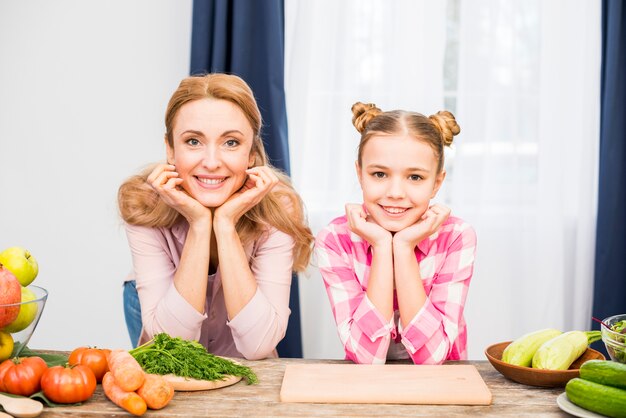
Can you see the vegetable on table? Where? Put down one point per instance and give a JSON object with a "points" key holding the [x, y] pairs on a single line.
{"points": [[156, 391], [71, 384], [128, 400], [604, 372], [561, 351], [617, 351], [521, 351], [603, 399], [94, 358], [126, 370], [22, 376], [167, 355]]}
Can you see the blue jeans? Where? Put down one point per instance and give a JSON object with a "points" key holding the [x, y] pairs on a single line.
{"points": [[132, 311]]}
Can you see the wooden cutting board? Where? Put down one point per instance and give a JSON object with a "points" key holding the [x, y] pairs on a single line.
{"points": [[386, 383]]}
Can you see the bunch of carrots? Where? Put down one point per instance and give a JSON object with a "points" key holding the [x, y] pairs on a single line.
{"points": [[129, 387]]}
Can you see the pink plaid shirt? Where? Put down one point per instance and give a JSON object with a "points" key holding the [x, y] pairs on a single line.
{"points": [[437, 332]]}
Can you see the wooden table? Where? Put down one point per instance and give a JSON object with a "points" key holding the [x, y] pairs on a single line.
{"points": [[510, 399]]}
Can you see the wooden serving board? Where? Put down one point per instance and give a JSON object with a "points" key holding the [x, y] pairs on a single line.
{"points": [[187, 384], [387, 383]]}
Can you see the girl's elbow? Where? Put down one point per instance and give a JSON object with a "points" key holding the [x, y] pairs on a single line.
{"points": [[362, 358]]}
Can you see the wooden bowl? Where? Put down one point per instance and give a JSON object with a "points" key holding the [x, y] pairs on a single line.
{"points": [[537, 377]]}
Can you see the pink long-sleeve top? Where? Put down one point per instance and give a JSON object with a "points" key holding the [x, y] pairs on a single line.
{"points": [[253, 333], [437, 332]]}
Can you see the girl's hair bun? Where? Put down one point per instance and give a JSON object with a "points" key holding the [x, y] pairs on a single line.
{"points": [[362, 114], [446, 123]]}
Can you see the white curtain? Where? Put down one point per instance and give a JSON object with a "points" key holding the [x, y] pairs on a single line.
{"points": [[337, 53], [526, 165], [523, 172]]}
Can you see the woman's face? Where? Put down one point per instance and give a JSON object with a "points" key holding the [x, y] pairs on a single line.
{"points": [[398, 177], [212, 140]]}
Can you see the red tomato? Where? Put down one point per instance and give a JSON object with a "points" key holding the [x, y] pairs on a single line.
{"points": [[4, 366], [22, 376], [68, 384], [94, 358]]}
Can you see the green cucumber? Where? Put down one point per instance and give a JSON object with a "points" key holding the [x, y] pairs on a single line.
{"points": [[605, 400], [604, 372]]}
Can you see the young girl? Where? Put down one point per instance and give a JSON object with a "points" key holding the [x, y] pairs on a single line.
{"points": [[396, 268], [215, 232]]}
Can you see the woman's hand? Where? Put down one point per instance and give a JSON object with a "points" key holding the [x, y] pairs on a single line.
{"points": [[165, 181], [427, 225], [362, 225], [259, 182]]}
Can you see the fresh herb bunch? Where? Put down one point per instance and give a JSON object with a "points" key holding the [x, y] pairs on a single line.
{"points": [[165, 355]]}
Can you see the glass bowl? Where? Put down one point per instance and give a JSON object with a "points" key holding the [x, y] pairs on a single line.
{"points": [[615, 342], [16, 334]]}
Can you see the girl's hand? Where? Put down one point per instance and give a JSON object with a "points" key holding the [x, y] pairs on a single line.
{"points": [[165, 181], [259, 182], [427, 225], [362, 225]]}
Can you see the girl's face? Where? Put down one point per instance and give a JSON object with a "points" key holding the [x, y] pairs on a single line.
{"points": [[212, 140], [398, 177]]}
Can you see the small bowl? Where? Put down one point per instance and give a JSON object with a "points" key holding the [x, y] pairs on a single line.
{"points": [[30, 312], [537, 377], [614, 342]]}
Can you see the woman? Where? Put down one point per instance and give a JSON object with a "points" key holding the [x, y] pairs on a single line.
{"points": [[216, 231]]}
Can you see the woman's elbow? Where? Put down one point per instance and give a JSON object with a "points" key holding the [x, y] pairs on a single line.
{"points": [[265, 347]]}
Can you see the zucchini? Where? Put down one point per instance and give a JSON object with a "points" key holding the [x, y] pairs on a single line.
{"points": [[605, 400], [604, 372], [561, 351], [521, 351]]}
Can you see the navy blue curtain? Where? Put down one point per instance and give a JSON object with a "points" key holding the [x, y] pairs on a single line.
{"points": [[246, 38], [609, 296]]}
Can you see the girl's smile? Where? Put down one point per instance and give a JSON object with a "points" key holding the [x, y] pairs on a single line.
{"points": [[398, 177]]}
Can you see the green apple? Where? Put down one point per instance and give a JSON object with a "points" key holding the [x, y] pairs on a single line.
{"points": [[6, 345], [21, 263], [27, 314]]}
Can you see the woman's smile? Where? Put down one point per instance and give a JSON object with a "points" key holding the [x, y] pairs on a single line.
{"points": [[211, 182], [212, 149]]}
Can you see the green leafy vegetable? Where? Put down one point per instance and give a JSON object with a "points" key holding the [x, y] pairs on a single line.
{"points": [[619, 326], [165, 355], [39, 396], [50, 358], [615, 350]]}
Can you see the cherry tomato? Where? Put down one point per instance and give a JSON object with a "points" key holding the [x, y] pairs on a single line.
{"points": [[68, 384], [22, 376], [94, 358]]}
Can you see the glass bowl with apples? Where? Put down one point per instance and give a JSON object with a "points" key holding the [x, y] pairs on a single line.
{"points": [[21, 303]]}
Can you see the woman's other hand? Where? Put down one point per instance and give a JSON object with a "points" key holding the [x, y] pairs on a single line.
{"points": [[165, 181], [259, 182]]}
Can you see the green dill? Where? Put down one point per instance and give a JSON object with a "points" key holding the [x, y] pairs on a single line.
{"points": [[164, 355]]}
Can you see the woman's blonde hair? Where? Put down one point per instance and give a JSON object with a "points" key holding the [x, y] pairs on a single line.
{"points": [[281, 208], [437, 130]]}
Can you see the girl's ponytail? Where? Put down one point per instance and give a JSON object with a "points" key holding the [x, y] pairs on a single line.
{"points": [[445, 122], [362, 114]]}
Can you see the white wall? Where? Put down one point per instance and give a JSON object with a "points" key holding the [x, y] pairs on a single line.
{"points": [[83, 90]]}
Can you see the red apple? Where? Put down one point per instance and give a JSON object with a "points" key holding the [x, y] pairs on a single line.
{"points": [[10, 294]]}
